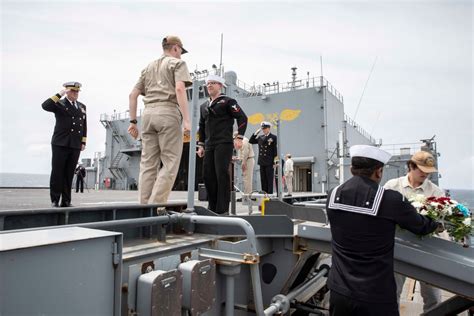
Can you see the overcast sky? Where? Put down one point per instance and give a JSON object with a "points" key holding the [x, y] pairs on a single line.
{"points": [[421, 85]]}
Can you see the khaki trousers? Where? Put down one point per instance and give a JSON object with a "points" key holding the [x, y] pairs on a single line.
{"points": [[162, 145], [289, 182], [247, 176]]}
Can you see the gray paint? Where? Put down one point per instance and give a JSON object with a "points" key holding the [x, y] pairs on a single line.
{"points": [[54, 272], [310, 134]]}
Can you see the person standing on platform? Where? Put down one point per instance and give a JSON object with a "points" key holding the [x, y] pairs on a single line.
{"points": [[215, 142], [420, 165], [163, 87], [363, 218], [69, 139], [246, 155], [80, 176], [267, 151], [288, 172]]}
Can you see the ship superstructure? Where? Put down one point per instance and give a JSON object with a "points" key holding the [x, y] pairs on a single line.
{"points": [[308, 115]]}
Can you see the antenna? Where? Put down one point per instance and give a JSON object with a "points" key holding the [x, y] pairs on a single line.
{"points": [[363, 91], [222, 46], [321, 78], [375, 123], [321, 62]]}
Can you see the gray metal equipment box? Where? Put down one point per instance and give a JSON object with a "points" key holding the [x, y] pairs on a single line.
{"points": [[60, 271], [159, 293], [199, 285]]}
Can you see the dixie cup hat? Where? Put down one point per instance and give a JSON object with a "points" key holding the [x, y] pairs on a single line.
{"points": [[216, 78], [372, 152]]}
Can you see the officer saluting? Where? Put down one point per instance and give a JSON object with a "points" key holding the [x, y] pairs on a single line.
{"points": [[267, 151], [69, 139], [363, 217]]}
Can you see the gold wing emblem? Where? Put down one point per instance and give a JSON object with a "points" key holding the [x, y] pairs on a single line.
{"points": [[289, 115], [256, 118]]}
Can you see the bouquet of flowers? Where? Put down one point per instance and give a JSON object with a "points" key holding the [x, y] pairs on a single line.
{"points": [[455, 216]]}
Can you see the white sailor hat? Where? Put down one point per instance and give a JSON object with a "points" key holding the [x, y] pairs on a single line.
{"points": [[73, 85], [216, 78], [265, 124], [368, 151]]}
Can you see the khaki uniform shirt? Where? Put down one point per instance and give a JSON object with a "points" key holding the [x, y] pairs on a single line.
{"points": [[246, 152], [427, 188], [288, 166], [402, 185], [157, 81]]}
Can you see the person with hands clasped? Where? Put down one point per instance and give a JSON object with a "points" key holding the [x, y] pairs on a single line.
{"points": [[246, 155], [163, 87], [216, 142], [69, 139]]}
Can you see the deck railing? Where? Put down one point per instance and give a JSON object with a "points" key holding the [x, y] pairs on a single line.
{"points": [[277, 87], [359, 128]]}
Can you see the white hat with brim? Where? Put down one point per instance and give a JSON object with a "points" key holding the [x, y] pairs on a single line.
{"points": [[372, 152], [216, 78], [265, 124]]}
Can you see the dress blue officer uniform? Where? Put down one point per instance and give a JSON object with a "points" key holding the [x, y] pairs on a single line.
{"points": [[267, 151], [70, 134]]}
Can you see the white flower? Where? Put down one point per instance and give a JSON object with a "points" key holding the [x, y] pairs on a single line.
{"points": [[434, 204], [417, 204], [417, 198], [449, 211], [424, 212], [467, 221]]}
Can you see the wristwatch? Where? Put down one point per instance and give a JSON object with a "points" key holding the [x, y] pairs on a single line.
{"points": [[133, 121]]}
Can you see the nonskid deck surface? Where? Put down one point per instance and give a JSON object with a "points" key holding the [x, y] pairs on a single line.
{"points": [[20, 199]]}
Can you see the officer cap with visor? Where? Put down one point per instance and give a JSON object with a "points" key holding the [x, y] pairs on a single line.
{"points": [[72, 85]]}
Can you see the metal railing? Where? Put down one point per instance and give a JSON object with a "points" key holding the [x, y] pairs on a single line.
{"points": [[117, 116], [358, 128], [402, 149], [277, 87], [253, 90]]}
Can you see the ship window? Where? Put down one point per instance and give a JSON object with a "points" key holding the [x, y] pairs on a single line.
{"points": [[189, 93]]}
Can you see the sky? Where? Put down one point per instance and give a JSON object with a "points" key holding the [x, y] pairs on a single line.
{"points": [[421, 53]]}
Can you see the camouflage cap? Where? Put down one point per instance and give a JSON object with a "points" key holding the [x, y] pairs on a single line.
{"points": [[173, 40]]}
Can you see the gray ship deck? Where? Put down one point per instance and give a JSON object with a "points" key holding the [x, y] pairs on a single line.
{"points": [[17, 199], [32, 198]]}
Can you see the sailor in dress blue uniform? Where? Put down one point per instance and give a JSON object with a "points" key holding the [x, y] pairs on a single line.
{"points": [[363, 217], [69, 139]]}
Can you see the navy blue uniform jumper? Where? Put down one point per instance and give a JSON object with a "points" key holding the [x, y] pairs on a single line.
{"points": [[216, 136], [363, 218]]}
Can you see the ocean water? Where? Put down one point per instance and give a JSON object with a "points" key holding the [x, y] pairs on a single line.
{"points": [[465, 197], [24, 180]]}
